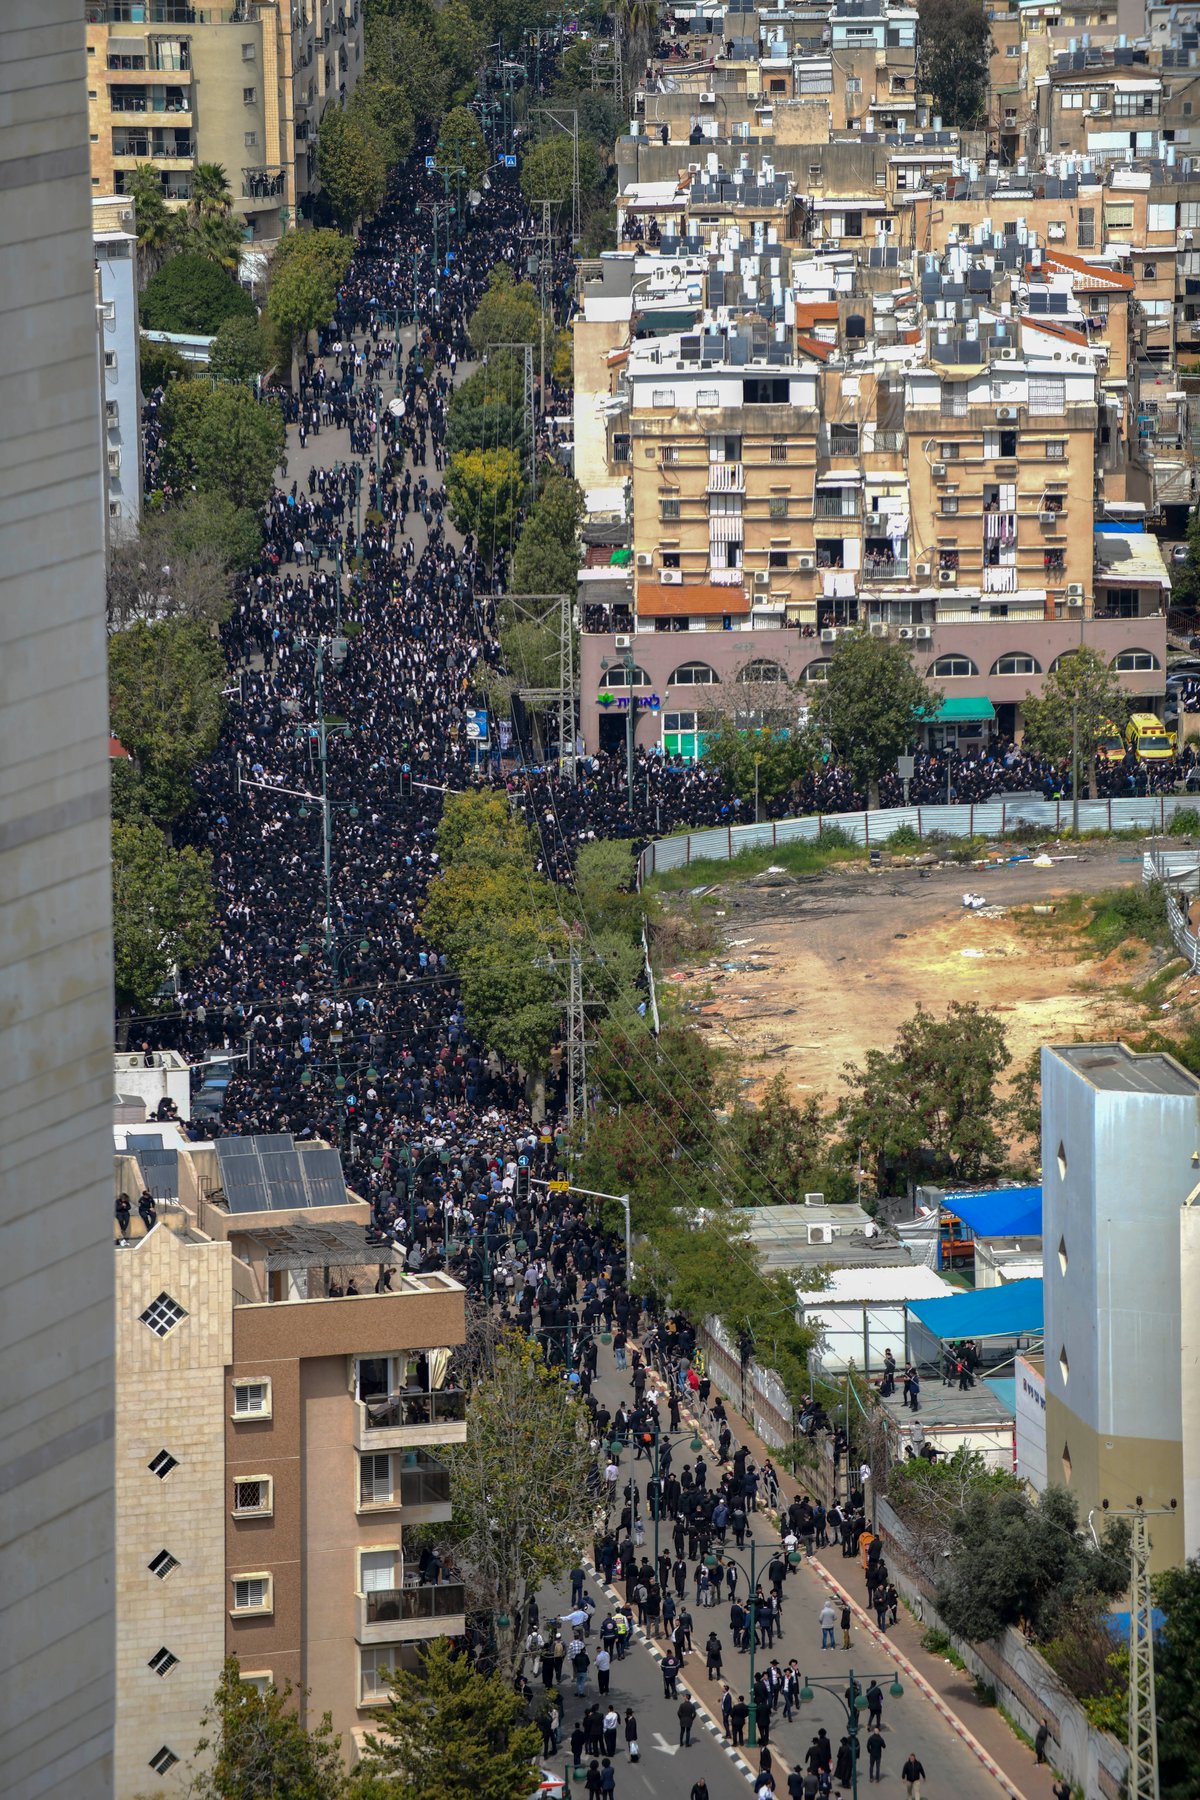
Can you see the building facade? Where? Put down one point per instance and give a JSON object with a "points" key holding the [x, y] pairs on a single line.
{"points": [[242, 85], [56, 1284], [114, 236], [1118, 1149]]}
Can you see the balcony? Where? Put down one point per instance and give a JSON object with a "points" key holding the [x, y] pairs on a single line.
{"points": [[264, 185], [835, 506], [410, 1418], [427, 1611], [410, 1479], [726, 478], [156, 146], [885, 568]]}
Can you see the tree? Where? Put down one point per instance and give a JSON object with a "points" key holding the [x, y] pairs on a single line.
{"points": [[220, 237], [222, 439], [1177, 1657], [955, 42], [487, 410], [257, 1749], [461, 141], [158, 228], [1081, 693], [508, 313], [385, 105], [352, 162], [407, 52], [932, 1497], [448, 1729], [165, 705], [461, 34], [927, 1109], [239, 350], [638, 22], [1014, 1562], [522, 1511], [547, 170], [160, 363], [162, 912], [784, 1151], [324, 248], [484, 489], [546, 559], [870, 705], [191, 294], [211, 193], [760, 759], [300, 297], [181, 562]]}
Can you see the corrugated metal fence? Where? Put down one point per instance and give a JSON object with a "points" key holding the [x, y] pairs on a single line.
{"points": [[1179, 873], [992, 818]]}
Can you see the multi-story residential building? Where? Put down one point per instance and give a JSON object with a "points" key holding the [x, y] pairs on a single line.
{"points": [[56, 1282], [114, 236], [274, 1433], [1118, 1161], [242, 85]]}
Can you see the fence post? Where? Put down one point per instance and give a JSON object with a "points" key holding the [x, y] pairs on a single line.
{"points": [[774, 834], [971, 821], [920, 828], [866, 828], [729, 843], [688, 856]]}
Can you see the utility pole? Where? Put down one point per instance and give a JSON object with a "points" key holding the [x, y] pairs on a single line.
{"points": [[544, 260], [558, 116], [577, 1107], [1143, 1711], [1075, 768], [535, 608]]}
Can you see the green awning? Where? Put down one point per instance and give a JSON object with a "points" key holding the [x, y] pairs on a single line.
{"points": [[963, 710]]}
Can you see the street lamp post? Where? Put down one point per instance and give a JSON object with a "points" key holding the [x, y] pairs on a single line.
{"points": [[794, 1559], [852, 1702]]}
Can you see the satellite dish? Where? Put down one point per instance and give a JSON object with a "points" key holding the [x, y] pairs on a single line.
{"points": [[396, 408]]}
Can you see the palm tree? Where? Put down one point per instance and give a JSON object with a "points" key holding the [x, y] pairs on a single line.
{"points": [[636, 22], [220, 237], [158, 228], [211, 192]]}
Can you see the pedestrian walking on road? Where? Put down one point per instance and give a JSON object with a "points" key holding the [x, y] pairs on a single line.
{"points": [[828, 1618], [631, 1735], [726, 1706], [669, 1669], [712, 1655], [610, 1727], [686, 1712], [874, 1706], [608, 1779], [846, 1618], [843, 1768], [739, 1713], [603, 1669], [699, 1790], [913, 1774], [876, 1745]]}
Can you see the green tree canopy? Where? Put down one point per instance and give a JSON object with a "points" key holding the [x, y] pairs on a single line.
{"points": [[461, 143], [1080, 693], [301, 295], [239, 350], [546, 559], [451, 1730], [386, 106], [952, 63], [484, 489], [1177, 1657], [323, 248], [406, 50], [192, 294], [778, 756], [159, 230], [255, 1748], [162, 911], [352, 162], [508, 313], [160, 363], [487, 410], [165, 706], [222, 439], [180, 563], [869, 705], [928, 1108], [547, 170], [785, 1150]]}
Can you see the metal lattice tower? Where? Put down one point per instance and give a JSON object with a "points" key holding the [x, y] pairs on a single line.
{"points": [[607, 70], [558, 116], [1143, 1712], [536, 610]]}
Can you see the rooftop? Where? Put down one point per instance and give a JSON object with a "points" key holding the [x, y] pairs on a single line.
{"points": [[1117, 1069]]}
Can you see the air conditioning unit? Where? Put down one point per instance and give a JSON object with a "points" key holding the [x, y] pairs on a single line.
{"points": [[905, 634], [820, 1234], [624, 642], [879, 630], [1008, 353], [924, 633], [762, 578], [645, 560], [806, 560], [947, 577], [114, 462], [924, 571], [939, 471], [810, 1199], [1006, 415], [1074, 605], [1050, 518], [1074, 590], [708, 98], [672, 577]]}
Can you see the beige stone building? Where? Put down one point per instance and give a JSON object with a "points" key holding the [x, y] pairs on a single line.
{"points": [[274, 1436], [242, 85]]}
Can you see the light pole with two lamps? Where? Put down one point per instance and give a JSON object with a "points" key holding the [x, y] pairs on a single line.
{"points": [[852, 1702]]}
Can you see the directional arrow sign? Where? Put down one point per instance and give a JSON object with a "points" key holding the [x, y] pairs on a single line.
{"points": [[662, 1744]]}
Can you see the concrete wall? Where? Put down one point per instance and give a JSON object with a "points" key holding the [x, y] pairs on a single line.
{"points": [[56, 1283]]}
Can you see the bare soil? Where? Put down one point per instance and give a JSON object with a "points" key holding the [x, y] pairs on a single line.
{"points": [[826, 967]]}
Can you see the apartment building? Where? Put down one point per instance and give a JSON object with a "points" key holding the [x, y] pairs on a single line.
{"points": [[114, 238], [242, 85], [275, 1423], [1118, 1160]]}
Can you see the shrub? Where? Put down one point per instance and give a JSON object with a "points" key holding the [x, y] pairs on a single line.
{"points": [[1186, 823], [191, 294], [905, 837]]}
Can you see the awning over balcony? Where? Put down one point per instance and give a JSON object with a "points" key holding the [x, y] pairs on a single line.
{"points": [[698, 599], [964, 709]]}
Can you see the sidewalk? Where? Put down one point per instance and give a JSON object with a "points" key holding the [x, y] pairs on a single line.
{"points": [[950, 1691]]}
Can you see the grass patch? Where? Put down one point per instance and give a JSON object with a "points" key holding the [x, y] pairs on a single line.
{"points": [[834, 846], [1154, 989], [938, 1644], [1119, 914], [1018, 1731], [1184, 823]]}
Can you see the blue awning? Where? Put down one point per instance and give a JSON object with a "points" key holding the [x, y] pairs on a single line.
{"points": [[999, 1212], [1014, 1310]]}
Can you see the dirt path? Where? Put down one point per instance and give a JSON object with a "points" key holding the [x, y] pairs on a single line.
{"points": [[828, 967]]}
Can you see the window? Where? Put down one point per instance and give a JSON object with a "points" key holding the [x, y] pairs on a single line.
{"points": [[947, 452], [1087, 227], [252, 1496], [777, 559], [779, 452], [725, 505], [725, 449], [162, 1464], [1064, 1366], [1055, 449], [162, 1564], [252, 1399], [162, 1315], [247, 52], [375, 1480], [816, 671], [251, 1593], [949, 505], [954, 399], [843, 440], [250, 139], [260, 1680], [1132, 662], [1047, 396], [1071, 100], [693, 674], [761, 669], [1016, 663], [777, 506], [375, 1660], [1062, 1254], [249, 96], [163, 1761], [952, 668], [668, 507], [1118, 215], [662, 397], [110, 362], [163, 1661], [1061, 1160], [618, 676], [668, 453], [377, 1570], [1066, 1462]]}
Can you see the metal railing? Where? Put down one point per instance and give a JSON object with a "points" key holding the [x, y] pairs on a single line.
{"points": [[885, 568], [262, 184], [414, 1406], [833, 506], [398, 1605]]}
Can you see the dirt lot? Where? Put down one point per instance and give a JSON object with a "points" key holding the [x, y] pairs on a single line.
{"points": [[827, 967]]}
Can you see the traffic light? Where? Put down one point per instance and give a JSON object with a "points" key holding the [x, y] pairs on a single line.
{"points": [[406, 781], [522, 1178]]}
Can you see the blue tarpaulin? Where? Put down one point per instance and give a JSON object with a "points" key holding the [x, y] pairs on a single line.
{"points": [[999, 1212], [1014, 1310]]}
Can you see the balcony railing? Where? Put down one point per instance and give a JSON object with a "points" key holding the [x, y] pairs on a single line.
{"points": [[400, 1605], [885, 568], [414, 1406], [262, 184], [726, 478], [834, 506]]}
